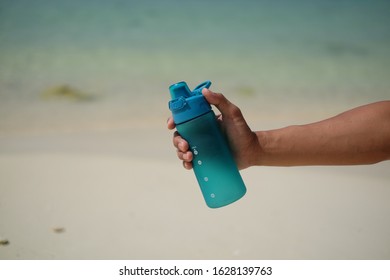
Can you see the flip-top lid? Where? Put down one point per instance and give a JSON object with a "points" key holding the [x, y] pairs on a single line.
{"points": [[186, 104]]}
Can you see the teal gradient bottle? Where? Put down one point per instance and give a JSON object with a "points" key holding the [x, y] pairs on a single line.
{"points": [[213, 163]]}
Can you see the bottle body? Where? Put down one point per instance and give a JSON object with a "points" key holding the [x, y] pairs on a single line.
{"points": [[213, 162]]}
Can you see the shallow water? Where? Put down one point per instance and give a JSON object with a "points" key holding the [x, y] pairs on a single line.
{"points": [[127, 53]]}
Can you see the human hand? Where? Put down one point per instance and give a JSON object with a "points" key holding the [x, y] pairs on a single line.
{"points": [[242, 140]]}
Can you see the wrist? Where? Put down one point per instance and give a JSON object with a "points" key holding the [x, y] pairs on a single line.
{"points": [[274, 147], [260, 154]]}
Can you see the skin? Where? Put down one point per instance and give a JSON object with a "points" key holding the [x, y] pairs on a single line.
{"points": [[358, 136]]}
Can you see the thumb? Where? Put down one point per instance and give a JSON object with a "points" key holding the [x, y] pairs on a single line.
{"points": [[218, 100]]}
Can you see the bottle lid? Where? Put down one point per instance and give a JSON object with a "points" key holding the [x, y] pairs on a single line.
{"points": [[186, 104]]}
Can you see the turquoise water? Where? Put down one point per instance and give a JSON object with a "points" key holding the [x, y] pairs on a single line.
{"points": [[126, 51]]}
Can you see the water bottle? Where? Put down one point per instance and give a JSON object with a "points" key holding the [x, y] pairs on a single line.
{"points": [[213, 162]]}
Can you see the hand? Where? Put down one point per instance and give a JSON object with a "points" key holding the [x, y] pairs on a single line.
{"points": [[242, 140]]}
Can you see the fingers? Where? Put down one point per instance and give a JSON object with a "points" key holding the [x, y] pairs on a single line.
{"points": [[226, 108], [187, 165], [179, 142], [217, 99], [183, 152], [170, 123], [184, 156]]}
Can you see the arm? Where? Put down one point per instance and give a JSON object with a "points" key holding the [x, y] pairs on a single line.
{"points": [[358, 136]]}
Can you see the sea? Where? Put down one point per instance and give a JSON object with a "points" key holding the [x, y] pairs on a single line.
{"points": [[107, 60]]}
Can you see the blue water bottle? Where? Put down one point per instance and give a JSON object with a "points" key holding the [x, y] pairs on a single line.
{"points": [[213, 162]]}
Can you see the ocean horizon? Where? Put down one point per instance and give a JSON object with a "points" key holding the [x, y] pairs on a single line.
{"points": [[126, 53]]}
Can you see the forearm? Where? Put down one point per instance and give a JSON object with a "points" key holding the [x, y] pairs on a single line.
{"points": [[358, 136]]}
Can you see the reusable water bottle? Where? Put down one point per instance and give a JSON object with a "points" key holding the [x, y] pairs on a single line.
{"points": [[213, 162]]}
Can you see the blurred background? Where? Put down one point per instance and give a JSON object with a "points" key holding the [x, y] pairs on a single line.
{"points": [[87, 168]]}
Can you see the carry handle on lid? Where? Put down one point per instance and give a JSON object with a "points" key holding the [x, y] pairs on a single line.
{"points": [[181, 89], [198, 88]]}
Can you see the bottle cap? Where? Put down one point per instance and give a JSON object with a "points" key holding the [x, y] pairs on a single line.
{"points": [[186, 104]]}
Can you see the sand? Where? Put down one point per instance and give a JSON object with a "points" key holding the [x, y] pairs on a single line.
{"points": [[120, 193]]}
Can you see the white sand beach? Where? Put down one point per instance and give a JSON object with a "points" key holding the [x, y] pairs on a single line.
{"points": [[87, 166], [121, 193]]}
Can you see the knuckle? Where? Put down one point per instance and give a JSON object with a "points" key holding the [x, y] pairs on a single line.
{"points": [[189, 156], [234, 111], [176, 139]]}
